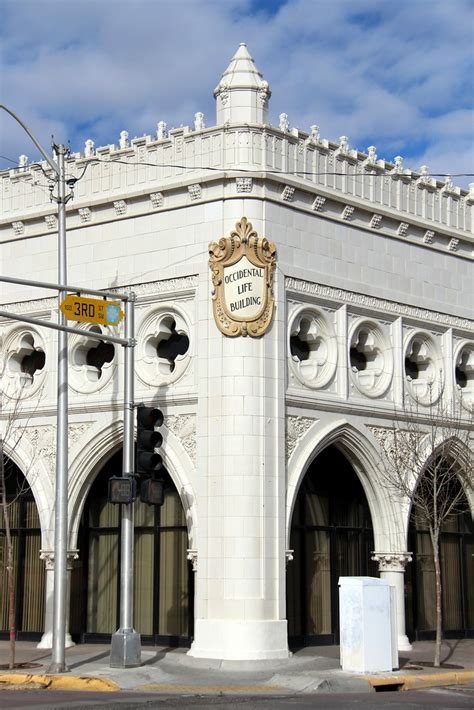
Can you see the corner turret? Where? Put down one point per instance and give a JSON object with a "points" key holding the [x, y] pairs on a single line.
{"points": [[242, 94]]}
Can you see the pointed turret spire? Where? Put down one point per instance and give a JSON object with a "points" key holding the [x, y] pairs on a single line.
{"points": [[242, 94]]}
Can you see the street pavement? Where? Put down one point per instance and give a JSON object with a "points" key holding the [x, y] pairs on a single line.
{"points": [[167, 671]]}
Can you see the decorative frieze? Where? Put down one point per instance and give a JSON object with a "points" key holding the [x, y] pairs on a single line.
{"points": [[244, 184], [403, 229], [120, 207], [373, 303], [195, 191], [318, 203], [51, 221], [288, 193], [85, 214], [347, 213], [156, 199], [18, 228]]}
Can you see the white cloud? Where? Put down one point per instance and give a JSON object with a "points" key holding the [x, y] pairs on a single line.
{"points": [[394, 74]]}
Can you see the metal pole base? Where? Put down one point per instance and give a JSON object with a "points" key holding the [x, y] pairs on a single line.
{"points": [[125, 649], [58, 668]]}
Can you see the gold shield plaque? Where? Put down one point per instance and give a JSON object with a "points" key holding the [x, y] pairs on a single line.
{"points": [[242, 267]]}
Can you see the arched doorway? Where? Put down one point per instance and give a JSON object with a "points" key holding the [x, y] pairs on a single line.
{"points": [[29, 570], [163, 589], [457, 577], [331, 535]]}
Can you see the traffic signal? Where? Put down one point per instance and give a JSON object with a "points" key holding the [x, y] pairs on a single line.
{"points": [[122, 489], [148, 439], [152, 491]]}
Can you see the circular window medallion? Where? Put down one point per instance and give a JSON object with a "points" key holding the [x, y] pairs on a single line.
{"points": [[464, 375], [370, 359], [313, 348], [423, 368], [92, 361], [24, 360], [163, 347]]}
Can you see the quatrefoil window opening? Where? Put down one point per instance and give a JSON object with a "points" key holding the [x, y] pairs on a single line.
{"points": [[93, 355], [420, 363], [27, 360], [464, 371], [169, 344], [370, 360], [364, 354], [313, 350], [464, 375], [308, 346]]}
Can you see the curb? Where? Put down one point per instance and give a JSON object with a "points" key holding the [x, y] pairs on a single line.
{"points": [[58, 682], [421, 680]]}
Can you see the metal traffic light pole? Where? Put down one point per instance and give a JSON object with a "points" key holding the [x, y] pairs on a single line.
{"points": [[125, 650]]}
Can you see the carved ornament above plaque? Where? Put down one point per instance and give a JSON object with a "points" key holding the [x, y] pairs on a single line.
{"points": [[242, 267]]}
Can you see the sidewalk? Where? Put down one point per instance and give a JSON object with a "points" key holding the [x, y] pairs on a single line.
{"points": [[166, 670]]}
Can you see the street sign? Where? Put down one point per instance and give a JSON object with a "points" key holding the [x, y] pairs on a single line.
{"points": [[92, 310]]}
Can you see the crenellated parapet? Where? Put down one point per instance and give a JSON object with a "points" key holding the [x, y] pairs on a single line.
{"points": [[324, 176]]}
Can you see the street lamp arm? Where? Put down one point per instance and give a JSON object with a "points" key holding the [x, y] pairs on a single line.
{"points": [[51, 162]]}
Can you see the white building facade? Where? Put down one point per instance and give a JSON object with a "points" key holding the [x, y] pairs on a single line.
{"points": [[272, 438]]}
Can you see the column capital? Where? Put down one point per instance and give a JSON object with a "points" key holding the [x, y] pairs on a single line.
{"points": [[48, 557], [192, 556], [392, 561]]}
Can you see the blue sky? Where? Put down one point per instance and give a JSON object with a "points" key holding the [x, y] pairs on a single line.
{"points": [[397, 74]]}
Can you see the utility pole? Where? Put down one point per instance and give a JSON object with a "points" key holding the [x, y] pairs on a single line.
{"points": [[58, 664]]}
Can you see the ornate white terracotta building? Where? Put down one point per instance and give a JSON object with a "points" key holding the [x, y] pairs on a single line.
{"points": [[271, 443]]}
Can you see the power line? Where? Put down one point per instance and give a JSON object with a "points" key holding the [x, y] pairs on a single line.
{"points": [[296, 173]]}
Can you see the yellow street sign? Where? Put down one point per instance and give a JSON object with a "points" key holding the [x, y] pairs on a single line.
{"points": [[92, 310]]}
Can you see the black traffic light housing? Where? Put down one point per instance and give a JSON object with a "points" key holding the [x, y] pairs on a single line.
{"points": [[152, 491], [148, 461]]}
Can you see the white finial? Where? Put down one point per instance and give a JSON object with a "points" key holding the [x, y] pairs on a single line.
{"points": [[161, 132], [398, 163], [123, 142], [315, 134], [89, 148], [284, 123], [371, 154], [471, 190], [343, 144], [199, 121], [23, 163], [424, 173], [448, 182]]}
